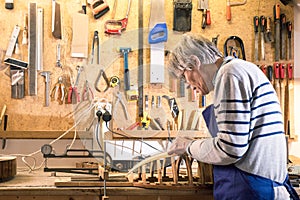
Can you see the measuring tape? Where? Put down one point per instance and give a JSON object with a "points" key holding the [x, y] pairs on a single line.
{"points": [[114, 81]]}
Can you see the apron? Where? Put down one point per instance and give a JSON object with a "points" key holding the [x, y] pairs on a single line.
{"points": [[235, 184]]}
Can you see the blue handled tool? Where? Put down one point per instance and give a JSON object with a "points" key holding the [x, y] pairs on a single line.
{"points": [[125, 51]]}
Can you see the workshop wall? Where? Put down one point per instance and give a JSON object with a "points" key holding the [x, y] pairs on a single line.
{"points": [[30, 112]]}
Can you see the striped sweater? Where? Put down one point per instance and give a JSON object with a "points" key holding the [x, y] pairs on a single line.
{"points": [[251, 133]]}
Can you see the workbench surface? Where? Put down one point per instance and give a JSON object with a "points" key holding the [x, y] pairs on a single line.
{"points": [[41, 185]]}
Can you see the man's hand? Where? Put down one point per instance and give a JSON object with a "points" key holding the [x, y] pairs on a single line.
{"points": [[179, 145]]}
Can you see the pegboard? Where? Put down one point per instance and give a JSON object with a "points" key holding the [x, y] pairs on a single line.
{"points": [[29, 114]]}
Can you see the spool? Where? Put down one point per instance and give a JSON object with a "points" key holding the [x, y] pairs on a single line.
{"points": [[8, 168]]}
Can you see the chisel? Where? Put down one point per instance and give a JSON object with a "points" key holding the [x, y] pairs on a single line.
{"points": [[276, 79], [283, 36], [255, 23], [282, 83], [4, 128], [2, 113], [289, 43], [262, 21], [276, 12], [290, 100]]}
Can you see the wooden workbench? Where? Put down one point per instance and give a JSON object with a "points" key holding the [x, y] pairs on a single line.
{"points": [[41, 185]]}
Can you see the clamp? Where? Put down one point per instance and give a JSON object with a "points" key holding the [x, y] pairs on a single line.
{"points": [[100, 74]]}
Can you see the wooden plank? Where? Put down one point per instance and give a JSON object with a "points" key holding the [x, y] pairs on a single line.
{"points": [[91, 184], [42, 134]]}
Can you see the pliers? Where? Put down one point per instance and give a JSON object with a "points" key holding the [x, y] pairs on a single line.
{"points": [[120, 99], [87, 93], [100, 74], [58, 91], [73, 96]]}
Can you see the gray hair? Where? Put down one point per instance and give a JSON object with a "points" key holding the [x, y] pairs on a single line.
{"points": [[192, 45]]}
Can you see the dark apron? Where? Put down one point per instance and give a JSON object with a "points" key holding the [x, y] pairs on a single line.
{"points": [[231, 183]]}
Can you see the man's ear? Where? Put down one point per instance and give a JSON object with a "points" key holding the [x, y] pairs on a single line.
{"points": [[195, 61]]}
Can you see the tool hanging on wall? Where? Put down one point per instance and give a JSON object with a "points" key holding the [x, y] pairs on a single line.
{"points": [[40, 39], [25, 30], [58, 53], [289, 42], [290, 101], [268, 34], [283, 36], [98, 80], [203, 6], [32, 48], [2, 113], [234, 46], [12, 41], [9, 4], [95, 43], [256, 24], [87, 93], [140, 60], [46, 74], [114, 26], [276, 12], [56, 20], [124, 51], [228, 8], [99, 8], [157, 37], [182, 15], [17, 76], [262, 24], [58, 92], [80, 25]]}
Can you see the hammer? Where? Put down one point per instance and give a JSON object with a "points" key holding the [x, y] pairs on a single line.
{"points": [[46, 74], [125, 51]]}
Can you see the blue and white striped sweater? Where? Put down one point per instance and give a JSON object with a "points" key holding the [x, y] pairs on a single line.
{"points": [[251, 132]]}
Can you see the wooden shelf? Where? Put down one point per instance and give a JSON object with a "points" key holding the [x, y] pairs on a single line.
{"points": [[40, 134]]}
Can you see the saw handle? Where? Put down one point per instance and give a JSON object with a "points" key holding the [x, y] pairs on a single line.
{"points": [[228, 11], [119, 24], [276, 12], [255, 23], [158, 34]]}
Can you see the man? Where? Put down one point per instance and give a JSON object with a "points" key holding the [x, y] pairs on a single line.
{"points": [[249, 150]]}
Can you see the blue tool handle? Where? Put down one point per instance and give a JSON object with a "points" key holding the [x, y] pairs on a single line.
{"points": [[159, 33], [125, 60]]}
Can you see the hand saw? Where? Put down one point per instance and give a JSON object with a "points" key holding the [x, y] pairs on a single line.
{"points": [[157, 36], [56, 20]]}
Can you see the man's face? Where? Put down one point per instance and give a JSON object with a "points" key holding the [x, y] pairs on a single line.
{"points": [[194, 80]]}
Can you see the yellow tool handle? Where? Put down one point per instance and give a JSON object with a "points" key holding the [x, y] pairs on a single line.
{"points": [[2, 113]]}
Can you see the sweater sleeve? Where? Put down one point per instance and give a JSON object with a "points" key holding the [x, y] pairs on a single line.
{"points": [[232, 111]]}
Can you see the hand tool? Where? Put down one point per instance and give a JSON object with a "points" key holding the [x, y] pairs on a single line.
{"points": [[32, 48], [140, 60], [182, 15], [236, 42], [125, 51], [99, 8], [283, 36], [16, 63], [87, 93], [262, 23], [46, 74], [157, 37], [282, 82], [95, 42], [25, 33], [73, 96], [289, 43], [17, 48], [56, 20], [120, 99], [58, 52], [4, 128], [228, 7], [12, 41], [215, 40], [40, 39], [114, 81], [276, 79], [17, 82], [9, 4], [276, 12], [98, 79], [58, 91], [256, 24], [114, 26], [268, 35], [270, 73], [2, 113], [145, 121], [290, 101], [203, 6]]}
